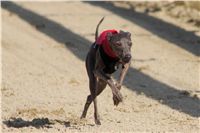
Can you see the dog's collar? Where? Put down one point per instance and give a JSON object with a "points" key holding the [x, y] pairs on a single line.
{"points": [[108, 50]]}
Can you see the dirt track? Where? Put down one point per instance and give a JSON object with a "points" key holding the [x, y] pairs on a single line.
{"points": [[43, 50]]}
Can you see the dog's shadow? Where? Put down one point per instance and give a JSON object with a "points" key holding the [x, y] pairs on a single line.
{"points": [[36, 122]]}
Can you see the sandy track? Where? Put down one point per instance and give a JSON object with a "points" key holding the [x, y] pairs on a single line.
{"points": [[43, 52]]}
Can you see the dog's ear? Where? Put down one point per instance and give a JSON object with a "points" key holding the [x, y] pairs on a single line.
{"points": [[121, 32], [128, 34], [109, 36]]}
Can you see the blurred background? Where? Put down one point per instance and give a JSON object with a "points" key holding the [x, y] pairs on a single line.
{"points": [[44, 80], [184, 11]]}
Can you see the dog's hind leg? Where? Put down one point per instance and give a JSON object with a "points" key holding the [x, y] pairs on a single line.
{"points": [[90, 64], [100, 86], [90, 97], [87, 104]]}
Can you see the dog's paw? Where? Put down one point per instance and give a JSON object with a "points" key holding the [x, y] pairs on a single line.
{"points": [[115, 101], [117, 98]]}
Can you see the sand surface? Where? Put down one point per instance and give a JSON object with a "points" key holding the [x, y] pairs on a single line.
{"points": [[44, 81]]}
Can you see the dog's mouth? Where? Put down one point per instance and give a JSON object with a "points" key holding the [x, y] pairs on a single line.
{"points": [[126, 58], [125, 61]]}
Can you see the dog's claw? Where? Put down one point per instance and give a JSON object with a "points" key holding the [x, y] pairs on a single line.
{"points": [[82, 117], [97, 122]]}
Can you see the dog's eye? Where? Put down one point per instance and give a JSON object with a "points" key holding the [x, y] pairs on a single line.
{"points": [[118, 43]]}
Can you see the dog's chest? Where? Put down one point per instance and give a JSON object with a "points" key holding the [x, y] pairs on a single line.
{"points": [[111, 64]]}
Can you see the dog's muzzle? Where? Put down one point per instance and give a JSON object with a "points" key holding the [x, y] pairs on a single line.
{"points": [[126, 58]]}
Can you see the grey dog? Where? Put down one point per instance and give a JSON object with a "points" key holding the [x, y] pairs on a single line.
{"points": [[100, 64]]}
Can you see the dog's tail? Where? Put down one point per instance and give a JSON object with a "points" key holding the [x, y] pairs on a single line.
{"points": [[97, 29]]}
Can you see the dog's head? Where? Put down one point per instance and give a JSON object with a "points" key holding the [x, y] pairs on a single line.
{"points": [[121, 45]]}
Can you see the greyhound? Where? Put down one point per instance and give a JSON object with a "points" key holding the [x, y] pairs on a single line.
{"points": [[110, 50]]}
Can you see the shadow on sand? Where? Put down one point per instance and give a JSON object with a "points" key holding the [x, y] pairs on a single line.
{"points": [[174, 34], [37, 123]]}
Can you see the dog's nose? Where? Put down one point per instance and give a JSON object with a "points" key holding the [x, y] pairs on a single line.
{"points": [[127, 58]]}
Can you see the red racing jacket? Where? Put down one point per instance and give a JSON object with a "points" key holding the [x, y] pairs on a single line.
{"points": [[102, 40]]}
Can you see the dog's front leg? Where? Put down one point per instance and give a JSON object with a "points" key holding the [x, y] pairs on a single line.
{"points": [[117, 97], [122, 75], [98, 72]]}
